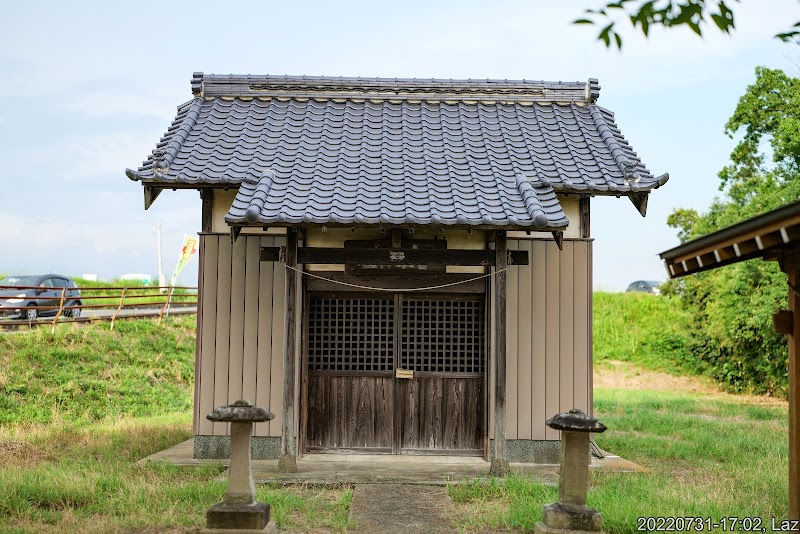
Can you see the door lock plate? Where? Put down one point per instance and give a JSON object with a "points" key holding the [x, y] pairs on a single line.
{"points": [[404, 373]]}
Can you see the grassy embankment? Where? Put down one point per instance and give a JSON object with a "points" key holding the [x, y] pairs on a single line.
{"points": [[79, 407]]}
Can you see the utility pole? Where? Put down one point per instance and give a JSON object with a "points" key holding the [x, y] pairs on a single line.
{"points": [[161, 280]]}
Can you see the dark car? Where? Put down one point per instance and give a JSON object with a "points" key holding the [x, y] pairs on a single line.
{"points": [[37, 290], [645, 286]]}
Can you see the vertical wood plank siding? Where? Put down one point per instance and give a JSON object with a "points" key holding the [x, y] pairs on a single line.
{"points": [[549, 335], [241, 341]]}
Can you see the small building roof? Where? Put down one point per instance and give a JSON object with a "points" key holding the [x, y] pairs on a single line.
{"points": [[764, 236], [351, 151]]}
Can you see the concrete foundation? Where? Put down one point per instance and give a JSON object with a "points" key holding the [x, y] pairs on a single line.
{"points": [[530, 451]]}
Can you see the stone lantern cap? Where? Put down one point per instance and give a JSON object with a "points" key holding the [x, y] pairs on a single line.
{"points": [[576, 421], [240, 411]]}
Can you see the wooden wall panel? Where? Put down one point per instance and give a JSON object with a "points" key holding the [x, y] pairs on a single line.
{"points": [[582, 320], [222, 352], [242, 329], [524, 346], [236, 347], [552, 335], [205, 377], [538, 339], [549, 335], [252, 274], [198, 336], [264, 342], [443, 414], [512, 341], [278, 314], [567, 328], [349, 412]]}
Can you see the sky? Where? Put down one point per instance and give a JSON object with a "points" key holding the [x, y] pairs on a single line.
{"points": [[88, 88]]}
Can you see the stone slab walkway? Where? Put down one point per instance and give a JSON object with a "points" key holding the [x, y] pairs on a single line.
{"points": [[401, 508]]}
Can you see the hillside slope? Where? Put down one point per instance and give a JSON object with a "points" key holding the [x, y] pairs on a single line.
{"points": [[86, 372]]}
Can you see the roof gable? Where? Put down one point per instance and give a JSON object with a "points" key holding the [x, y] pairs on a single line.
{"points": [[348, 150]]}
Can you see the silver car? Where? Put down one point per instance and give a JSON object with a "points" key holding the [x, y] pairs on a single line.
{"points": [[45, 290]]}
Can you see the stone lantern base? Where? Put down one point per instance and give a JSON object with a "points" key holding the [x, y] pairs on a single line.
{"points": [[561, 518], [224, 518]]}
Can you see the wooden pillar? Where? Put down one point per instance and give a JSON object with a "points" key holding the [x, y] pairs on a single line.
{"points": [[500, 459], [207, 196], [207, 202], [288, 460], [792, 268], [583, 203]]}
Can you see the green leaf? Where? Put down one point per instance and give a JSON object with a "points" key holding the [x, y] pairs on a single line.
{"points": [[788, 36], [605, 35], [583, 21], [721, 23], [618, 39]]}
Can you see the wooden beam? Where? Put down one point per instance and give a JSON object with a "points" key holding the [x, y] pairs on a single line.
{"points": [[383, 256], [272, 253], [288, 460], [585, 217], [793, 273], [640, 201], [333, 282], [150, 195], [434, 244], [352, 256], [207, 198], [770, 240], [518, 257], [500, 465]]}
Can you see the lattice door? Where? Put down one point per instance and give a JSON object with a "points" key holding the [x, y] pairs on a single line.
{"points": [[443, 336], [354, 400], [351, 334]]}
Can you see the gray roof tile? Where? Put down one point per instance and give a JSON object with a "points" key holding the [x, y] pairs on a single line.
{"points": [[372, 150]]}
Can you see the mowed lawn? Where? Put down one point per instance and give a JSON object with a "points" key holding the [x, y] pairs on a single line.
{"points": [[81, 406]]}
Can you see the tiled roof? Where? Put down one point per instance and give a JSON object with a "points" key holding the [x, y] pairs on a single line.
{"points": [[355, 150]]}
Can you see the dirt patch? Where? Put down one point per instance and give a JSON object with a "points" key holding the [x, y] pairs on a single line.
{"points": [[20, 454], [612, 374]]}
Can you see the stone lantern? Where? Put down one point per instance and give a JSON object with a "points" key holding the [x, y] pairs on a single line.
{"points": [[570, 513], [239, 512]]}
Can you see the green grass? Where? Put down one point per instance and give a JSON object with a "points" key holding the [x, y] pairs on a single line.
{"points": [[709, 458], [84, 479], [652, 331], [80, 406], [88, 372]]}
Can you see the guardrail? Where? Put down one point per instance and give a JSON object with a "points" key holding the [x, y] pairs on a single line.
{"points": [[99, 303]]}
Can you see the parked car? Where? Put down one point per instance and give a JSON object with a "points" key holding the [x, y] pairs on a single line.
{"points": [[37, 290], [645, 286]]}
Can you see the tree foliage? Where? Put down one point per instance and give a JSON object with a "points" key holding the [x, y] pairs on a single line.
{"points": [[693, 14], [733, 337]]}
